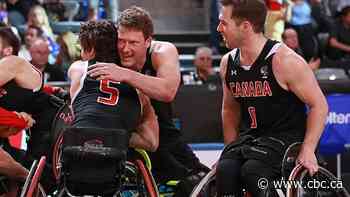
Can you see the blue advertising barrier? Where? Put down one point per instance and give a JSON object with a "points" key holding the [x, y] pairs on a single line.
{"points": [[336, 135]]}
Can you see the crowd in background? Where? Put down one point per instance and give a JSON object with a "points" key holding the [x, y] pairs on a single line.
{"points": [[318, 30], [51, 53]]}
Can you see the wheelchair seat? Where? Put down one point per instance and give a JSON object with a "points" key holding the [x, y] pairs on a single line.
{"points": [[93, 160]]}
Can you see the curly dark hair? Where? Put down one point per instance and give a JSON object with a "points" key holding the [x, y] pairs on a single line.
{"points": [[137, 18], [102, 37]]}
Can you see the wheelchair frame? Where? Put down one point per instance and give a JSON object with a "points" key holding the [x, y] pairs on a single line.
{"points": [[207, 187]]}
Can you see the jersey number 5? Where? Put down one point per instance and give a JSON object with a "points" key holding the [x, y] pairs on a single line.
{"points": [[113, 93], [252, 114]]}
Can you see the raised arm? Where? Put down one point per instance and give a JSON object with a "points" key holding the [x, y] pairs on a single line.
{"points": [[147, 132], [230, 108], [293, 74]]}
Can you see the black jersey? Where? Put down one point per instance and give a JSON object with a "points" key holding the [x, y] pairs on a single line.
{"points": [[163, 110], [266, 108], [34, 102], [105, 104]]}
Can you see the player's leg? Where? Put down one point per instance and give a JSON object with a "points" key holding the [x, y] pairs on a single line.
{"points": [[228, 173], [257, 176]]}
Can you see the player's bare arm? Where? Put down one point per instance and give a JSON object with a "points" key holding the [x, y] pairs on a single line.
{"points": [[230, 107], [75, 72], [147, 133], [10, 167], [165, 60], [163, 87], [13, 67], [293, 74]]}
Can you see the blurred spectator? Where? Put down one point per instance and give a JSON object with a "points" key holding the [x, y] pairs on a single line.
{"points": [[301, 21], [341, 4], [55, 9], [31, 34], [18, 11], [203, 62], [71, 9], [69, 50], [37, 16], [39, 50], [3, 12], [276, 15], [110, 6], [290, 38], [339, 42], [59, 10], [338, 50], [321, 13]]}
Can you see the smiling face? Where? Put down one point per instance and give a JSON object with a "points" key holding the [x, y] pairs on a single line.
{"points": [[132, 47], [230, 29]]}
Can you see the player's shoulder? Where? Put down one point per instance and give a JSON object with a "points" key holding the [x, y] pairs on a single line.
{"points": [[14, 61], [286, 57], [162, 46], [224, 61], [78, 65], [286, 61], [226, 56]]}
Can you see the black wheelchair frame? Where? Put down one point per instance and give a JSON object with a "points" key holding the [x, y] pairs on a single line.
{"points": [[207, 186]]}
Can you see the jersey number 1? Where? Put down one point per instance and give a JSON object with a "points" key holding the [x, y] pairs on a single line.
{"points": [[252, 114], [113, 93]]}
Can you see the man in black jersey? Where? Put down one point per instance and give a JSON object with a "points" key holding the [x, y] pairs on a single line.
{"points": [[20, 91], [265, 88], [104, 103], [158, 77]]}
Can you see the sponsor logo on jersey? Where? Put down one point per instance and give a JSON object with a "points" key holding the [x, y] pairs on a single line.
{"points": [[264, 72]]}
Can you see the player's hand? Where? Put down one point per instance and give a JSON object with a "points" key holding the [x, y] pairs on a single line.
{"points": [[308, 160], [108, 71], [27, 117]]}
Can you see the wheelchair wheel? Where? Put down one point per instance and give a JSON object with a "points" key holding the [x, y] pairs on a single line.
{"points": [[56, 157], [138, 181], [32, 186], [323, 176], [206, 187]]}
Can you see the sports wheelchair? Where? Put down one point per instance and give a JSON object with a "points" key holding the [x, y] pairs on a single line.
{"points": [[97, 162], [93, 169], [207, 186]]}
